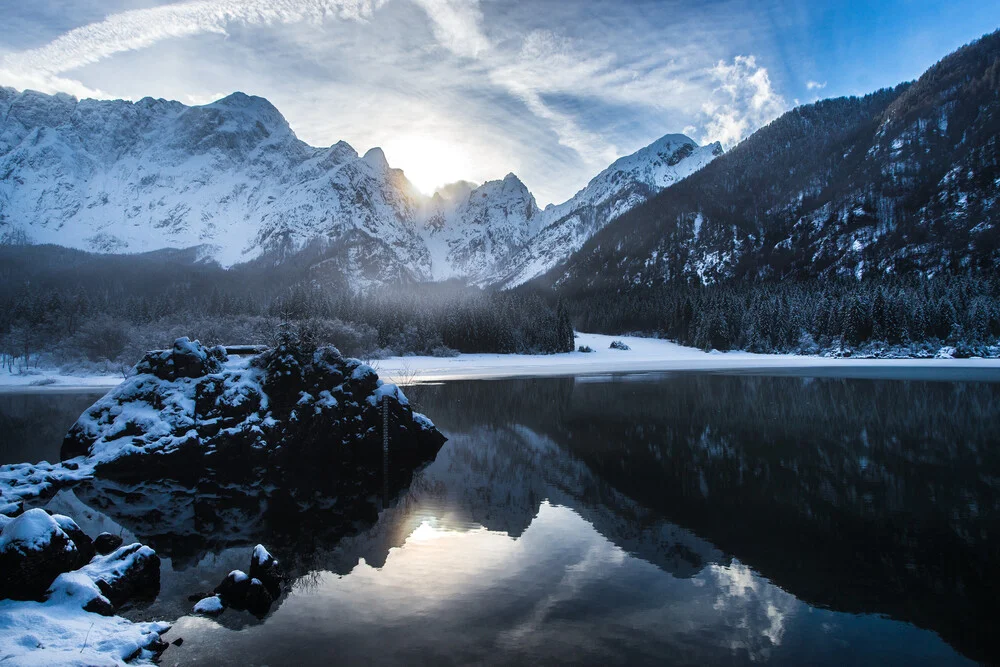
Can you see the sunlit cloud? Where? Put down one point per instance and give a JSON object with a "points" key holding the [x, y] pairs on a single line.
{"points": [[448, 91], [457, 25], [745, 101]]}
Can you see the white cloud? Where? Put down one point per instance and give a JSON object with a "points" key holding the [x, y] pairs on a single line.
{"points": [[745, 100], [815, 85], [457, 25], [552, 98], [548, 64], [141, 28]]}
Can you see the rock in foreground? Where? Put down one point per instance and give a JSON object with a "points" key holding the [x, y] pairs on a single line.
{"points": [[191, 408]]}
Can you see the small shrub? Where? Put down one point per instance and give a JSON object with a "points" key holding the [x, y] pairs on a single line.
{"points": [[586, 348], [618, 345]]}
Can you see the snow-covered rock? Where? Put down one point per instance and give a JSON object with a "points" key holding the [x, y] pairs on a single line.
{"points": [[265, 568], [189, 408], [63, 600], [35, 548], [210, 606]]}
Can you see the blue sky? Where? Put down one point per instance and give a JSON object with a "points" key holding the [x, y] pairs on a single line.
{"points": [[552, 90]]}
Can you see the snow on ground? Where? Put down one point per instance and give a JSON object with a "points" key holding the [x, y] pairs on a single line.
{"points": [[60, 632], [646, 354], [48, 380]]}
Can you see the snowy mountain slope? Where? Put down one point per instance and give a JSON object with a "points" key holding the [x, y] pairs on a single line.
{"points": [[117, 176], [470, 232], [232, 178], [628, 182], [903, 181]]}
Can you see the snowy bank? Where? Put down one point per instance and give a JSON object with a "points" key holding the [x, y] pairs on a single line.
{"points": [[50, 380], [58, 595], [643, 355]]}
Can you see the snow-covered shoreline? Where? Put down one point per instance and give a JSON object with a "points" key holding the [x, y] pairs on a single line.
{"points": [[645, 355]]}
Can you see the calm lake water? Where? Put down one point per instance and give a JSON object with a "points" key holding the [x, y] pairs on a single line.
{"points": [[654, 519]]}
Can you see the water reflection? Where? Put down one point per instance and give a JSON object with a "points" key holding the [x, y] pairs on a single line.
{"points": [[688, 519]]}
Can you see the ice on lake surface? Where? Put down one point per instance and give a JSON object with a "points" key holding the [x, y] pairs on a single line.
{"points": [[678, 519]]}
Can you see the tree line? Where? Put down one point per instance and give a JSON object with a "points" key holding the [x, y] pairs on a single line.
{"points": [[64, 307], [908, 315]]}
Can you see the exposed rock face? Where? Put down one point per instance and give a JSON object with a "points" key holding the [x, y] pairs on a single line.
{"points": [[192, 409], [264, 567], [128, 573]]}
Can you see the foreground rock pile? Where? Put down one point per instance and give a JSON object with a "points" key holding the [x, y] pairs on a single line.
{"points": [[288, 408], [55, 584], [254, 592], [244, 443]]}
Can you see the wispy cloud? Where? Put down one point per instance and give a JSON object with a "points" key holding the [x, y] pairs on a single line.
{"points": [[815, 85], [457, 25], [745, 101], [141, 28], [547, 90]]}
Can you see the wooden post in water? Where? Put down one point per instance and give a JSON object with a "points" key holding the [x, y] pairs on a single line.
{"points": [[385, 451]]}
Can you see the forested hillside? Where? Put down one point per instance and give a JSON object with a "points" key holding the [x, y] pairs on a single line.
{"points": [[64, 307], [814, 223]]}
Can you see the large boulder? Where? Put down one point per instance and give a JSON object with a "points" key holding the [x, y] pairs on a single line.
{"points": [[108, 582], [191, 408], [35, 548]]}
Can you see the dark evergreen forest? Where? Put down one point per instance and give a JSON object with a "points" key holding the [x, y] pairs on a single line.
{"points": [[66, 307]]}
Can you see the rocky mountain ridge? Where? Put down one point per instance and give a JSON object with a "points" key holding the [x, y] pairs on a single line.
{"points": [[232, 178]]}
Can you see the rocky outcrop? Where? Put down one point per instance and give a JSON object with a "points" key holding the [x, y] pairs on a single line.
{"points": [[191, 409]]}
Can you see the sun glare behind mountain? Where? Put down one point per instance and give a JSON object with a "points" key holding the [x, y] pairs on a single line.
{"points": [[430, 162]]}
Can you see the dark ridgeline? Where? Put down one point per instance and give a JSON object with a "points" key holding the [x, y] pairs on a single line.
{"points": [[859, 219]]}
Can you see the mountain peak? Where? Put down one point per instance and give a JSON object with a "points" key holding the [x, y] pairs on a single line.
{"points": [[674, 139], [240, 100], [512, 182], [376, 158]]}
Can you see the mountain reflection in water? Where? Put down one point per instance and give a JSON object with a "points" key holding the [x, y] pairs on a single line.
{"points": [[686, 519]]}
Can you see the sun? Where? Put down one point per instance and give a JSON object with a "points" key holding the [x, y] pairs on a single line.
{"points": [[430, 162]]}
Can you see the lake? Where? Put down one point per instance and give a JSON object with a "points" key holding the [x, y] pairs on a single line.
{"points": [[642, 519]]}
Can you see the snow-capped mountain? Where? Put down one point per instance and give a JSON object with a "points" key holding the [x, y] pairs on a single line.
{"points": [[113, 176], [904, 181], [628, 182], [470, 231], [232, 178]]}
